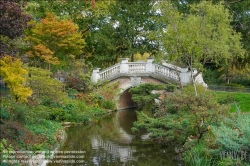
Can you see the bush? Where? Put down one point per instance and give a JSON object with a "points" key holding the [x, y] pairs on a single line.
{"points": [[232, 135], [211, 77], [96, 111], [4, 114], [57, 114], [242, 81], [107, 104], [234, 85]]}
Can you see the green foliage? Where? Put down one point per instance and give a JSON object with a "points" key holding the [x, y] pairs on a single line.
{"points": [[242, 81], [101, 96], [202, 35], [4, 149], [234, 85], [197, 156], [71, 92], [233, 134], [123, 31], [211, 76], [182, 114], [45, 88], [48, 129], [171, 128], [142, 93], [108, 104], [189, 89], [229, 98], [4, 114], [65, 9], [4, 146], [78, 75]]}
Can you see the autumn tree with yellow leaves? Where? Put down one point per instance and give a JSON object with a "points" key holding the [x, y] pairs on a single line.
{"points": [[14, 76], [53, 41]]}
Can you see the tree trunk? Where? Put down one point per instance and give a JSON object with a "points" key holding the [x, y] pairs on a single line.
{"points": [[192, 76]]}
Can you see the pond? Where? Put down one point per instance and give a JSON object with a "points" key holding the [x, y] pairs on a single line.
{"points": [[110, 142]]}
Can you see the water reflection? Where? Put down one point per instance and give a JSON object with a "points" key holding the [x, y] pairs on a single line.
{"points": [[110, 141]]}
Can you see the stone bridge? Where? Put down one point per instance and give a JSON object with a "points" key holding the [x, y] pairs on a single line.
{"points": [[130, 74]]}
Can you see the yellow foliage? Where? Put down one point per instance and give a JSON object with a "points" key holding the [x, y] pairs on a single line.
{"points": [[139, 56], [14, 76], [53, 40], [44, 53]]}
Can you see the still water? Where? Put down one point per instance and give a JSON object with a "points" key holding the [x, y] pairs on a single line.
{"points": [[110, 142]]}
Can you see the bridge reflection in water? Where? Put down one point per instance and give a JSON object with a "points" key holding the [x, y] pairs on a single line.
{"points": [[110, 141]]}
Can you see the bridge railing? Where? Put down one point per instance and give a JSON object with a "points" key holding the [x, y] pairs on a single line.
{"points": [[111, 71], [137, 67], [165, 71]]}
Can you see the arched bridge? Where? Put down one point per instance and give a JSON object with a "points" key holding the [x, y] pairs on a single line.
{"points": [[130, 74]]}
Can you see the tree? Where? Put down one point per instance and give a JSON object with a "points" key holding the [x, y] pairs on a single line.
{"points": [[13, 22], [142, 93], [80, 11], [44, 87], [53, 40], [123, 32], [237, 67], [182, 115], [14, 76], [204, 35]]}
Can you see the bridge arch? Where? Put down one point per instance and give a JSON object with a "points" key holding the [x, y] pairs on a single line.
{"points": [[130, 74], [124, 99]]}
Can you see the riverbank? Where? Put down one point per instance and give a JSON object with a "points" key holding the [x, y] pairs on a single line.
{"points": [[34, 128]]}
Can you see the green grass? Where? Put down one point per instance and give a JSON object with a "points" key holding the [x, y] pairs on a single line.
{"points": [[231, 98]]}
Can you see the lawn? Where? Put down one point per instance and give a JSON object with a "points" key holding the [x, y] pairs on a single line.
{"points": [[231, 98]]}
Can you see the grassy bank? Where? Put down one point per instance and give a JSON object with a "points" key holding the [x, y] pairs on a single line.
{"points": [[232, 98]]}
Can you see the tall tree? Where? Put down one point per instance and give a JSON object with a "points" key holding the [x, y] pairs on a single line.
{"points": [[44, 86], [53, 40], [239, 9], [13, 21], [204, 35], [124, 31]]}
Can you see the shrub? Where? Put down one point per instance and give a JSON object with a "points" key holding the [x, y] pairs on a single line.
{"points": [[107, 104], [211, 77], [95, 111], [57, 114], [4, 114], [234, 85], [232, 135]]}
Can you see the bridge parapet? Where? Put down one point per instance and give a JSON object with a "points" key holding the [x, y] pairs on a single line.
{"points": [[162, 72]]}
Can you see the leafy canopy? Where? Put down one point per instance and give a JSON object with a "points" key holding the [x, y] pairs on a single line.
{"points": [[53, 40], [14, 76], [142, 93], [203, 35], [45, 88]]}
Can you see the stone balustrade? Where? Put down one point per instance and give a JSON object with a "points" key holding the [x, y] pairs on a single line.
{"points": [[137, 67], [165, 70], [113, 70]]}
